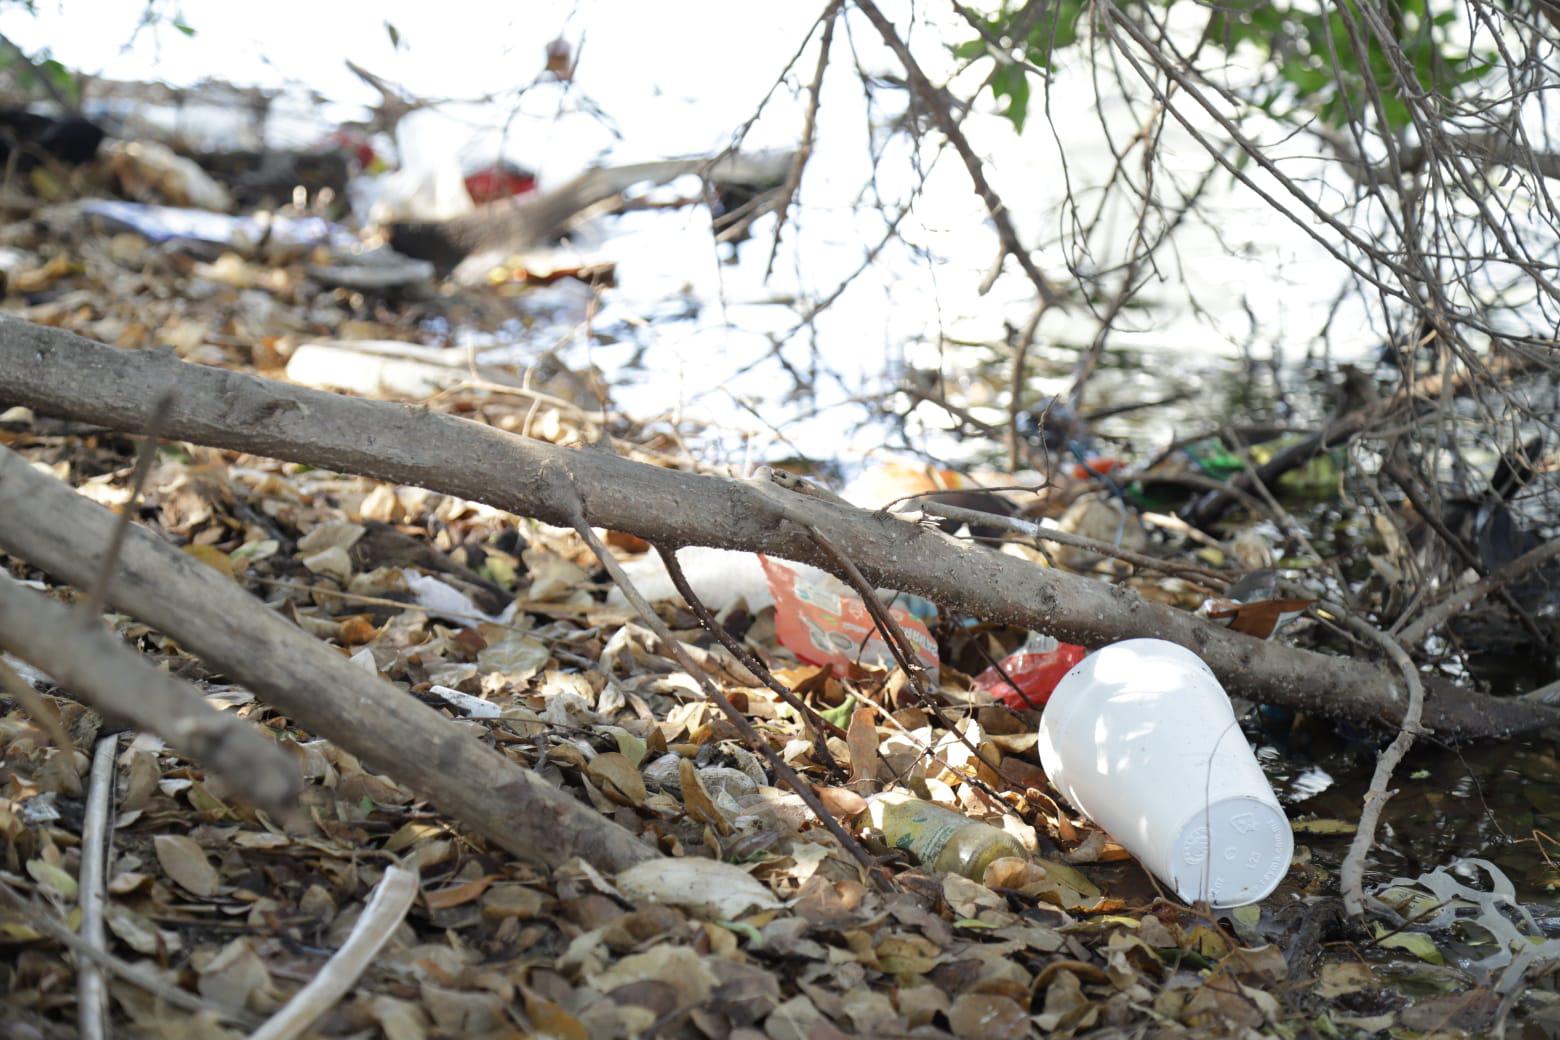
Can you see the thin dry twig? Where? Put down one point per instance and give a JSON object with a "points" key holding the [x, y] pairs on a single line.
{"points": [[932, 507], [929, 97], [793, 177], [97, 835], [384, 913], [1436, 615], [145, 455], [1026, 339], [1351, 873]]}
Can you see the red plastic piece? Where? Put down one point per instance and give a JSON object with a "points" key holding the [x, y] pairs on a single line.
{"points": [[1034, 668]]}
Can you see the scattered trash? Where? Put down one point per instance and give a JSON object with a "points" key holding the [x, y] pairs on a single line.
{"points": [[1026, 677], [719, 577], [499, 180], [151, 172], [940, 839], [1515, 950], [174, 224], [1317, 478], [1140, 738], [821, 624]]}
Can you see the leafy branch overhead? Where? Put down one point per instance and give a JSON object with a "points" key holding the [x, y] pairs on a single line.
{"points": [[1330, 65]]}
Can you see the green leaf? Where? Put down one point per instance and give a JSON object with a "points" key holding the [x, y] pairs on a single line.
{"points": [[754, 937], [1012, 82], [394, 34], [970, 49], [840, 716], [1417, 943]]}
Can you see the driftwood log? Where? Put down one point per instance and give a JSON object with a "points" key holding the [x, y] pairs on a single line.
{"points": [[43, 521], [63, 374]]}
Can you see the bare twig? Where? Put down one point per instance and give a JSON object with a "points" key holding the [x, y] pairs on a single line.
{"points": [[1438, 614], [934, 103], [384, 913], [1210, 579], [1351, 874], [97, 835], [1026, 338], [145, 455], [793, 177]]}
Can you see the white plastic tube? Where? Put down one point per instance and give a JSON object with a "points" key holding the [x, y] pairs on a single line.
{"points": [[1141, 738]]}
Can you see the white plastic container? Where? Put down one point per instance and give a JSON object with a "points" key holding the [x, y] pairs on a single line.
{"points": [[1141, 738]]}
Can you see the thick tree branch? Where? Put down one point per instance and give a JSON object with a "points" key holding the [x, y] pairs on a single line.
{"points": [[97, 667], [46, 523], [63, 374]]}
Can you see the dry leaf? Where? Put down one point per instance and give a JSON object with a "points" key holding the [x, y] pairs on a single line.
{"points": [[703, 886], [455, 895], [840, 801], [862, 739], [697, 799], [617, 777], [548, 1019], [184, 862]]}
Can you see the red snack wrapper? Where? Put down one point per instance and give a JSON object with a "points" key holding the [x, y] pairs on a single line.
{"points": [[822, 625]]}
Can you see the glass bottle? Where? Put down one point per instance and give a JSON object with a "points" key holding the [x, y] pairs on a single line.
{"points": [[942, 840]]}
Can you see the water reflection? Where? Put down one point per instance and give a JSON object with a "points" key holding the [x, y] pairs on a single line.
{"points": [[1491, 800]]}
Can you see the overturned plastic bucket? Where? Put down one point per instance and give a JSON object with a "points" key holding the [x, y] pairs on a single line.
{"points": [[1140, 738]]}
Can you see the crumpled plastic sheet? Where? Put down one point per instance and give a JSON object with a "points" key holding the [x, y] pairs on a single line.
{"points": [[1517, 949], [171, 223]]}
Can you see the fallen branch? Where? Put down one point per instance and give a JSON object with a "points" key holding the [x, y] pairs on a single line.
{"points": [[97, 829], [384, 913], [60, 373], [1352, 873], [46, 523], [100, 670]]}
